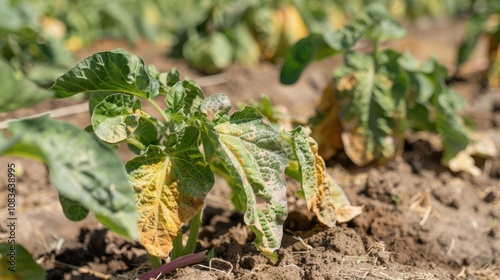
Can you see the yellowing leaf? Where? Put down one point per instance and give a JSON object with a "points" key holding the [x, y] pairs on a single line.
{"points": [[170, 187], [326, 129], [372, 113], [250, 152], [322, 194]]}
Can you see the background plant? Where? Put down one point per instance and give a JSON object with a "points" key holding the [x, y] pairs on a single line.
{"points": [[485, 20], [375, 97]]}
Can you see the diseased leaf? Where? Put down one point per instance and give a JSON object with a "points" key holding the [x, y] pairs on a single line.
{"points": [[81, 169], [251, 153], [24, 265], [312, 172], [73, 210], [114, 71], [18, 92], [326, 126], [170, 187], [372, 113], [343, 208], [116, 117]]}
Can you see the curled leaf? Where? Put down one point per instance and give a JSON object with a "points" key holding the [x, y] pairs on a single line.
{"points": [[116, 117]]}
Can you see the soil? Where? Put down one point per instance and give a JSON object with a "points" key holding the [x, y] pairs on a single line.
{"points": [[420, 220]]}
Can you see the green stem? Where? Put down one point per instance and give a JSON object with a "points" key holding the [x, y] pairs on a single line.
{"points": [[158, 108], [178, 247], [136, 143], [193, 233], [155, 261]]}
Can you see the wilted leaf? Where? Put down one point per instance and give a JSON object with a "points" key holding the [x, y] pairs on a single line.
{"points": [[18, 92], [311, 167], [343, 208], [115, 71], [251, 153], [372, 113], [24, 265], [326, 126], [116, 117], [81, 169], [170, 187], [481, 146]]}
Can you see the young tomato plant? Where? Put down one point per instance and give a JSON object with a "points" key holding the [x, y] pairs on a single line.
{"points": [[375, 97], [171, 175]]}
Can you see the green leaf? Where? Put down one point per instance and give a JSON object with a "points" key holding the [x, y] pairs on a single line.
{"points": [[17, 263], [301, 54], [375, 22], [73, 210], [82, 170], [110, 71], [116, 117], [96, 98], [365, 90], [250, 151], [175, 102], [170, 187], [312, 175], [450, 126], [146, 134], [18, 92], [194, 96]]}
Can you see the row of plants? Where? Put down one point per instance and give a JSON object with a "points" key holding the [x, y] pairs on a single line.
{"points": [[374, 98], [38, 37]]}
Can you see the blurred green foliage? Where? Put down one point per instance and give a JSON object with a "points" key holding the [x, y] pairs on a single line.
{"points": [[38, 37]]}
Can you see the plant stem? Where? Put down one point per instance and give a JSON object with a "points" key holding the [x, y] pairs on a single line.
{"points": [[173, 265], [155, 261], [178, 247], [158, 108], [193, 233]]}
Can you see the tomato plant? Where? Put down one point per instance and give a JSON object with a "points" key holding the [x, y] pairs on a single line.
{"points": [[375, 97]]}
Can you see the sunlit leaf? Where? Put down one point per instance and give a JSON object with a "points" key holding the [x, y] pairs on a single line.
{"points": [[113, 71], [250, 151], [22, 264], [312, 172], [372, 113], [116, 117], [18, 92], [81, 169], [170, 187]]}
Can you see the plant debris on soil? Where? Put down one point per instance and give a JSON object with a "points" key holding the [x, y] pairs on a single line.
{"points": [[420, 220]]}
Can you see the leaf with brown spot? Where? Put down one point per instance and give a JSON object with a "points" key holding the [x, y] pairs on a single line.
{"points": [[170, 187]]}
